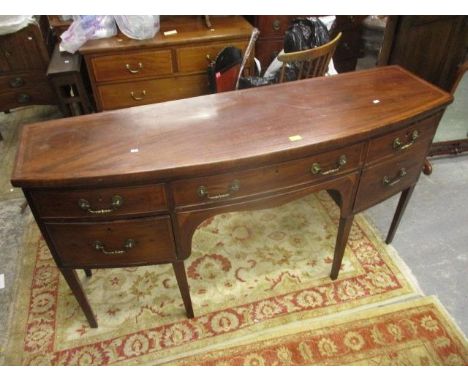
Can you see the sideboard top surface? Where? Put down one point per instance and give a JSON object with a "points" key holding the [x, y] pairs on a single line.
{"points": [[221, 132]]}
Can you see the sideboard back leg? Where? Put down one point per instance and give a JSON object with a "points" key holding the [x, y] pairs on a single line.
{"points": [[341, 240], [88, 272], [75, 285], [179, 270], [402, 203]]}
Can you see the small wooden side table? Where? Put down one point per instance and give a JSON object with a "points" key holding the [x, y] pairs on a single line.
{"points": [[65, 77]]}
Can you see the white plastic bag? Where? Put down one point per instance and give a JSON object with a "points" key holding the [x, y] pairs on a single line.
{"points": [[86, 28], [138, 27]]}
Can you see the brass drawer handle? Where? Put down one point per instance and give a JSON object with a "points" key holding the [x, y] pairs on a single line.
{"points": [[99, 246], [16, 82], [202, 191], [317, 169], [117, 202], [398, 145], [134, 71], [143, 95], [389, 182], [24, 98], [276, 25]]}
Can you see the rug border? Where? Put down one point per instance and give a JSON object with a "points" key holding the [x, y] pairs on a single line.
{"points": [[317, 324]]}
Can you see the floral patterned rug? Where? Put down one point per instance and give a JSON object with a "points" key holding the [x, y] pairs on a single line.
{"points": [[411, 333], [249, 272]]}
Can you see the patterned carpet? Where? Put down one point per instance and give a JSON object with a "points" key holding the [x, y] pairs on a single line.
{"points": [[405, 334], [260, 290], [249, 272]]}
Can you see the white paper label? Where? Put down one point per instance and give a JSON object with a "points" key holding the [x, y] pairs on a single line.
{"points": [[2, 281]]}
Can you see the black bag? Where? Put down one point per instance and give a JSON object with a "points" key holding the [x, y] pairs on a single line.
{"points": [[305, 34]]}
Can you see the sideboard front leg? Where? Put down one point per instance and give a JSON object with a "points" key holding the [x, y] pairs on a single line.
{"points": [[75, 285], [402, 203], [179, 270], [341, 240]]}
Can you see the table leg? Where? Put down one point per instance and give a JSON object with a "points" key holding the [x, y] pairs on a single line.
{"points": [[75, 285], [341, 240], [179, 270], [402, 203]]}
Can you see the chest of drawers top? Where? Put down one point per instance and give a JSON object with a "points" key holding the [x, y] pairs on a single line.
{"points": [[222, 132], [190, 29]]}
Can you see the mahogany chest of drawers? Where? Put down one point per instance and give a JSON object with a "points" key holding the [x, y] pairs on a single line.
{"points": [[24, 58], [129, 187], [126, 72]]}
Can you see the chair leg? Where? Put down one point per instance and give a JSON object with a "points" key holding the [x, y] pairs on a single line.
{"points": [[179, 270], [75, 285], [402, 203], [341, 240]]}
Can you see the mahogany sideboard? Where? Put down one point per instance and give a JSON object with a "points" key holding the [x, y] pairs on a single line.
{"points": [[126, 72], [129, 187]]}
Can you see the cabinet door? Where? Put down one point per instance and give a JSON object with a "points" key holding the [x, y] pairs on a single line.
{"points": [[429, 46], [23, 50]]}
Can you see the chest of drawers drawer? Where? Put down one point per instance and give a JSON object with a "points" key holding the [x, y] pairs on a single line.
{"points": [[196, 58], [386, 178], [267, 179], [136, 93], [415, 138], [109, 244], [133, 65], [99, 203], [39, 94]]}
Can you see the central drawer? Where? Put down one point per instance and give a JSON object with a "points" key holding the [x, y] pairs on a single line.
{"points": [[246, 183], [113, 244]]}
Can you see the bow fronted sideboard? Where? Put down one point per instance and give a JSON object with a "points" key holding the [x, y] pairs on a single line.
{"points": [[129, 187]]}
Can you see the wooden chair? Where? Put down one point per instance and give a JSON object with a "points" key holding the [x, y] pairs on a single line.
{"points": [[311, 62]]}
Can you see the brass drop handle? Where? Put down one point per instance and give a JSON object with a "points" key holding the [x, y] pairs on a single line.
{"points": [[16, 82], [208, 57], [398, 145], [202, 191], [134, 71], [276, 25], [99, 246], [117, 202], [24, 98], [391, 182], [143, 95], [317, 169]]}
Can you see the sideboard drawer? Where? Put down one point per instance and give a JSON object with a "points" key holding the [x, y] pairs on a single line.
{"points": [[414, 138], [197, 58], [116, 96], [239, 184], [132, 65], [117, 243], [98, 203], [382, 180]]}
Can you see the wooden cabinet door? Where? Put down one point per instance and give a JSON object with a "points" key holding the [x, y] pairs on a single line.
{"points": [[430, 46]]}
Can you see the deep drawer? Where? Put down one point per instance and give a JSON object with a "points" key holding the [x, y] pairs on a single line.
{"points": [[113, 244], [132, 65], [263, 180], [116, 96], [414, 138], [380, 181], [98, 203]]}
